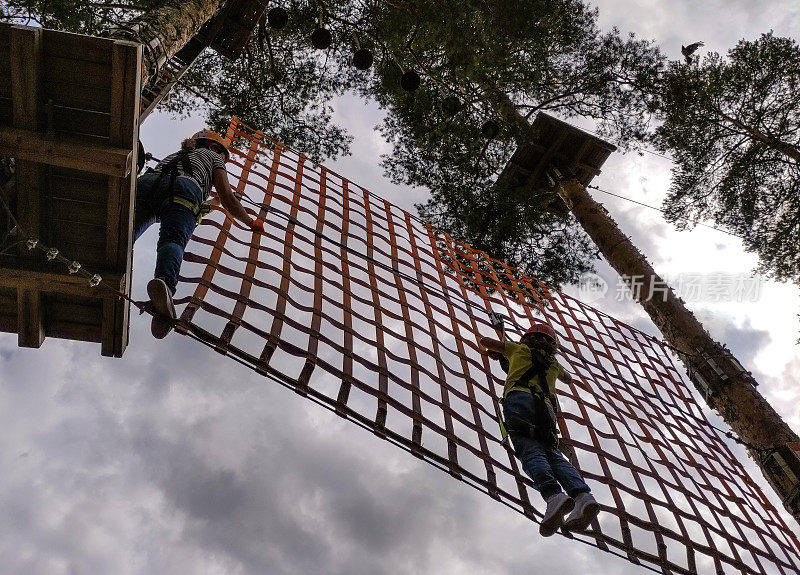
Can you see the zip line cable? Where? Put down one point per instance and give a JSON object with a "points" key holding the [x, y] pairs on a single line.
{"points": [[662, 211]]}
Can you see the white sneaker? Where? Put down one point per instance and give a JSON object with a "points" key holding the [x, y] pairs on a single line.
{"points": [[586, 509], [164, 309], [557, 505]]}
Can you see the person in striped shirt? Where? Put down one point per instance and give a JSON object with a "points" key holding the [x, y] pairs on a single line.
{"points": [[174, 193]]}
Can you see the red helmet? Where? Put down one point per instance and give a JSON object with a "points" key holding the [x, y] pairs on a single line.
{"points": [[541, 327]]}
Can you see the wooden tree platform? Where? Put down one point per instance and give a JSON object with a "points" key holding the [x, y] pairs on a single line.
{"points": [[69, 109], [230, 30], [574, 153]]}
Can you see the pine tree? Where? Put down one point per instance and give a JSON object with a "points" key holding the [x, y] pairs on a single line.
{"points": [[473, 56], [279, 82], [732, 127], [599, 76]]}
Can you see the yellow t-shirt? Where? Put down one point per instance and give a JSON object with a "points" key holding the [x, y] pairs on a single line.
{"points": [[519, 361]]}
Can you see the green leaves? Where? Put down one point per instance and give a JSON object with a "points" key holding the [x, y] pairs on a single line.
{"points": [[282, 85], [733, 128], [503, 59]]}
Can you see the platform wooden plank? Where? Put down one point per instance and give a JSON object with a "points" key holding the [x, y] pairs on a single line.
{"points": [[28, 178], [65, 329], [77, 212], [79, 186], [73, 317], [24, 63], [83, 156], [89, 237], [8, 310], [115, 313], [81, 122], [30, 318], [6, 107], [8, 323], [24, 58], [557, 144], [126, 83], [230, 31], [73, 309], [77, 46], [123, 127], [95, 74], [5, 73]]}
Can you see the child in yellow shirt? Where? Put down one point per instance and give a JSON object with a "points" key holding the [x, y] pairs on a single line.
{"points": [[529, 412]]}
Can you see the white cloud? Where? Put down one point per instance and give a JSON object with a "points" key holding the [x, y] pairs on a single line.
{"points": [[175, 459]]}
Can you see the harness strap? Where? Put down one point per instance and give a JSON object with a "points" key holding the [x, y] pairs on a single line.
{"points": [[527, 378], [543, 427], [171, 168]]}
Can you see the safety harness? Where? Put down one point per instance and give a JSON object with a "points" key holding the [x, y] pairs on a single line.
{"points": [[543, 427], [171, 169]]}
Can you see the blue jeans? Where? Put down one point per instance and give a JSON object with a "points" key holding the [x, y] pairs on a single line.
{"points": [[177, 221], [543, 462]]}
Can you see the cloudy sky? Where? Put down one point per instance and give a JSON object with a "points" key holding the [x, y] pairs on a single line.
{"points": [[175, 460]]}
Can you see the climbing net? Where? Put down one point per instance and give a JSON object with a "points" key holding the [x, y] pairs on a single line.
{"points": [[364, 309]]}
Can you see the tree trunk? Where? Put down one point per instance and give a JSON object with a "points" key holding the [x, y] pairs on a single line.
{"points": [[165, 30], [716, 373]]}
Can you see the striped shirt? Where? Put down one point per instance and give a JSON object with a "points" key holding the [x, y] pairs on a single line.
{"points": [[203, 162]]}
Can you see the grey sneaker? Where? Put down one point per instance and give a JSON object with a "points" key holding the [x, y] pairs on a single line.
{"points": [[557, 506], [586, 509], [161, 298]]}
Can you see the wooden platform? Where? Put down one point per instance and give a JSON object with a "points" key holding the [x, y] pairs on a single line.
{"points": [[573, 152], [229, 31], [69, 109]]}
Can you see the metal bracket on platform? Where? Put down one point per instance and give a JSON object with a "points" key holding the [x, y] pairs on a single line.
{"points": [[740, 368], [555, 177]]}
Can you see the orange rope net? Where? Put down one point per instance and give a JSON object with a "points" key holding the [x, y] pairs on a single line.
{"points": [[358, 305]]}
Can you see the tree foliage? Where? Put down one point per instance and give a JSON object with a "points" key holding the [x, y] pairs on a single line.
{"points": [[79, 16], [732, 126], [280, 84], [543, 55], [534, 55]]}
